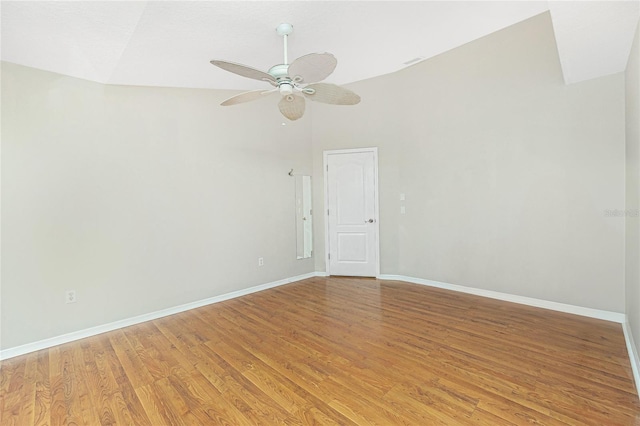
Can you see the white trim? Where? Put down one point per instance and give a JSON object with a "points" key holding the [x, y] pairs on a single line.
{"points": [[376, 206], [88, 332], [325, 219], [554, 306], [377, 209], [633, 353]]}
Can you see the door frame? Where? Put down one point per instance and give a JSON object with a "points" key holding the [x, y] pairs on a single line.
{"points": [[325, 157]]}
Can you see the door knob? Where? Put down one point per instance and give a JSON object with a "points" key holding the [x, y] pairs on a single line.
{"points": [[369, 221]]}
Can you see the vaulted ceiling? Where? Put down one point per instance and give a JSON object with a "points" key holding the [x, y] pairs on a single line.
{"points": [[170, 43]]}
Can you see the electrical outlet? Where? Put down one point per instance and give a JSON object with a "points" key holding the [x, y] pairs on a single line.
{"points": [[261, 261], [70, 296]]}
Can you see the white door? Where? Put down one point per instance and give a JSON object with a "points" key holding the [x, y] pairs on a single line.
{"points": [[352, 220]]}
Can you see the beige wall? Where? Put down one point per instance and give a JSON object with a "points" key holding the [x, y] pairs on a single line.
{"points": [[632, 268], [507, 171], [137, 198]]}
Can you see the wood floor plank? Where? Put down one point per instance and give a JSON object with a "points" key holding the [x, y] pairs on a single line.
{"points": [[78, 387], [42, 402], [238, 390], [108, 360], [405, 403], [204, 400], [334, 350], [57, 410], [133, 366], [98, 384], [266, 379], [153, 405], [21, 411]]}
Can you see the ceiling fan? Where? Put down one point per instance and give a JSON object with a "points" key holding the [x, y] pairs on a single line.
{"points": [[293, 81]]}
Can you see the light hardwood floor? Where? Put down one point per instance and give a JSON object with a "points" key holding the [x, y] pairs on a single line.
{"points": [[334, 351]]}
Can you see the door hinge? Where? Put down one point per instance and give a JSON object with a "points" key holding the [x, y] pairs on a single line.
{"points": [[329, 256], [327, 167], [327, 212]]}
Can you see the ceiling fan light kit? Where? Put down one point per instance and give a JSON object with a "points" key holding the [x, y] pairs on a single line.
{"points": [[293, 81]]}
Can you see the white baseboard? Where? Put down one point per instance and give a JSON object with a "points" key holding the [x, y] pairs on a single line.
{"points": [[88, 332], [555, 306], [633, 353]]}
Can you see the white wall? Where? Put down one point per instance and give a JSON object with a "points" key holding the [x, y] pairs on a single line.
{"points": [[137, 198], [632, 266], [507, 171]]}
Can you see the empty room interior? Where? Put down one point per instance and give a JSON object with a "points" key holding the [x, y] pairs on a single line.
{"points": [[310, 212]]}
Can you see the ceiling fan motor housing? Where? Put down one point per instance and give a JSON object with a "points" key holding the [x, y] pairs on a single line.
{"points": [[284, 82], [279, 71]]}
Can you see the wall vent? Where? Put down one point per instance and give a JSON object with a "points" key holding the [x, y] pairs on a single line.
{"points": [[413, 61]]}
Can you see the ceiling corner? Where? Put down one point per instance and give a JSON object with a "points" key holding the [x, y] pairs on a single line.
{"points": [[594, 38]]}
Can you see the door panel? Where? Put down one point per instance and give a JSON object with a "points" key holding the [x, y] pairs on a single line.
{"points": [[352, 247], [351, 201]]}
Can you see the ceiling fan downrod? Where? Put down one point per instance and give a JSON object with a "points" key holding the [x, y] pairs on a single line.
{"points": [[284, 30], [280, 72]]}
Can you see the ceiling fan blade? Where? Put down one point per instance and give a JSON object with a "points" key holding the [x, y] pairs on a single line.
{"points": [[312, 67], [246, 97], [331, 94], [243, 70], [292, 106]]}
